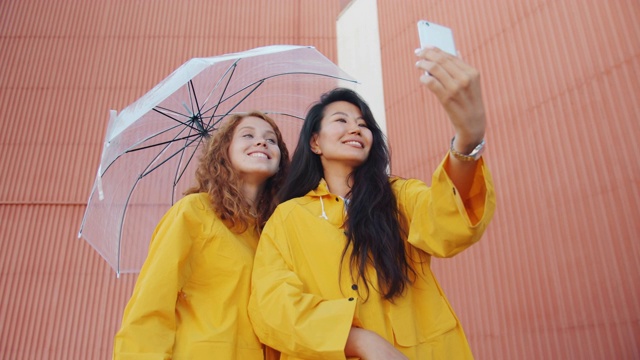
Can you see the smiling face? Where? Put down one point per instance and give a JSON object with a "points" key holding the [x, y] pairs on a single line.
{"points": [[344, 139], [254, 151]]}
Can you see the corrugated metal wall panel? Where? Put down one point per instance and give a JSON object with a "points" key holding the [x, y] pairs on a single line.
{"points": [[64, 65], [556, 274]]}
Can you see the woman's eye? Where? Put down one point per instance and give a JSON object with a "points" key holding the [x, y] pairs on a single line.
{"points": [[272, 141], [363, 125], [249, 136], [341, 120]]}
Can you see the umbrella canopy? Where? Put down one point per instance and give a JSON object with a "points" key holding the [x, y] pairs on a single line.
{"points": [[150, 149]]}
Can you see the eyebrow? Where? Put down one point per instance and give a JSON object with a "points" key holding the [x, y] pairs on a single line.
{"points": [[249, 127], [345, 114]]}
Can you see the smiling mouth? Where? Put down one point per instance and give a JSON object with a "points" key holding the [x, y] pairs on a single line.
{"points": [[259, 155], [353, 142]]}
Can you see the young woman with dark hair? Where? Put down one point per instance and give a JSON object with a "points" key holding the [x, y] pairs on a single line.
{"points": [[372, 220], [343, 265], [190, 299]]}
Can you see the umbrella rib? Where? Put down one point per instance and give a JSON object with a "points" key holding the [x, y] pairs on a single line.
{"points": [[131, 148], [173, 118], [163, 142], [124, 213], [283, 114], [192, 95], [257, 84], [196, 115], [230, 71], [191, 92], [211, 123], [277, 75], [179, 173], [143, 174], [184, 169], [188, 143]]}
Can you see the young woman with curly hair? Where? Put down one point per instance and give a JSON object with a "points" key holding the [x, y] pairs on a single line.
{"points": [[343, 264], [190, 299]]}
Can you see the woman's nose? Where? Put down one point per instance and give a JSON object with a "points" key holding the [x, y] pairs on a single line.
{"points": [[355, 129]]}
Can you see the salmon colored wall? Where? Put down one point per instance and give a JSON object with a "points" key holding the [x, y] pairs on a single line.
{"points": [[63, 66], [557, 275]]}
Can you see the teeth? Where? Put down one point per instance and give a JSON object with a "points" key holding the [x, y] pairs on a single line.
{"points": [[353, 143], [260, 155]]}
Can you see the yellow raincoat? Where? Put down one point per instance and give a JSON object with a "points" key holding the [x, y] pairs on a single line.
{"points": [[191, 296], [304, 302]]}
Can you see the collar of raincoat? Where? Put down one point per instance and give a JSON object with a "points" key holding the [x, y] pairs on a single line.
{"points": [[331, 206], [321, 190]]}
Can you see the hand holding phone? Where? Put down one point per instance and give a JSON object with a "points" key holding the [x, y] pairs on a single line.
{"points": [[432, 34], [456, 87]]}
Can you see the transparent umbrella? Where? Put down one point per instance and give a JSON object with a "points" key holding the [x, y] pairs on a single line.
{"points": [[151, 147]]}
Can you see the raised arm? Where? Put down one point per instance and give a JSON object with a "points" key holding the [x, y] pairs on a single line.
{"points": [[457, 86]]}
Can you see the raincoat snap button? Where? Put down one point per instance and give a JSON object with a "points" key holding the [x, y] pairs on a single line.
{"points": [[351, 299], [354, 287]]}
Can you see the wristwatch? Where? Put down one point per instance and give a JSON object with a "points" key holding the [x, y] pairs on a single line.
{"points": [[475, 154]]}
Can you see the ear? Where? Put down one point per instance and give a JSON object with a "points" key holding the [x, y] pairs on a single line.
{"points": [[313, 144]]}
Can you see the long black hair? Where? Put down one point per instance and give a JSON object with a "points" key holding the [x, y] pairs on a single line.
{"points": [[374, 228]]}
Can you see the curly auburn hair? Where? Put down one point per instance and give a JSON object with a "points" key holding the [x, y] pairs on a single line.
{"points": [[216, 176]]}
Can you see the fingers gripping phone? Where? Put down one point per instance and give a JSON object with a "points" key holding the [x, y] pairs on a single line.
{"points": [[432, 34]]}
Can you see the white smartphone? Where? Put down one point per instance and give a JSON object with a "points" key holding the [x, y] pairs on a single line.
{"points": [[432, 34]]}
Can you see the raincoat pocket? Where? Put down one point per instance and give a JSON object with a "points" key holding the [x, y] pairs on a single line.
{"points": [[415, 324]]}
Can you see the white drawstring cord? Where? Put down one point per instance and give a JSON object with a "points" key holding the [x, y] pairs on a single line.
{"points": [[324, 214]]}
